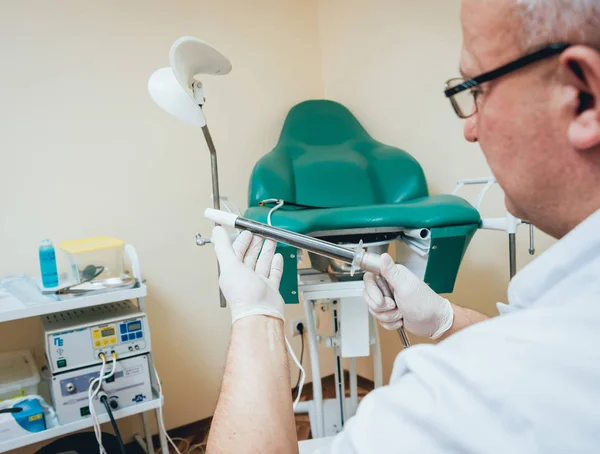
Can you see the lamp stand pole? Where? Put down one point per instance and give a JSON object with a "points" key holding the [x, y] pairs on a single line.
{"points": [[214, 169]]}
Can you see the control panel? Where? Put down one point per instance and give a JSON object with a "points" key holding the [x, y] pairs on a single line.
{"points": [[130, 385], [75, 339]]}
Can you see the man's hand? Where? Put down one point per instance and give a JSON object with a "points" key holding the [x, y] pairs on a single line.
{"points": [[249, 278], [419, 309]]}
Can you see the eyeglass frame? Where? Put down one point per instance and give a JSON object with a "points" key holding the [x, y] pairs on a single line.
{"points": [[545, 52]]}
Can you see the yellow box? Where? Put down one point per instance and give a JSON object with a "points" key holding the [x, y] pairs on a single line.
{"points": [[90, 245], [105, 254], [96, 334]]}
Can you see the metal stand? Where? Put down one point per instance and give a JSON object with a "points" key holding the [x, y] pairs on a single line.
{"points": [[149, 446], [340, 388], [353, 334], [145, 443], [506, 224], [216, 196]]}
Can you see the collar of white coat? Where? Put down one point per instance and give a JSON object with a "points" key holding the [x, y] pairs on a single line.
{"points": [[570, 268]]}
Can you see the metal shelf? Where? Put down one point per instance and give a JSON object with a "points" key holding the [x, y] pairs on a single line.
{"points": [[71, 302], [36, 437]]}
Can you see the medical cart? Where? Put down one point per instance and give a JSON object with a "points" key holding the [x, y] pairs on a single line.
{"points": [[136, 294]]}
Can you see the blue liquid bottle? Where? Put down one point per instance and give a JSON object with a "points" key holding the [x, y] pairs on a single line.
{"points": [[48, 264]]}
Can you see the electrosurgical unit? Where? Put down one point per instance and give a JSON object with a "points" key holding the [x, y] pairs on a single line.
{"points": [[75, 339], [129, 385], [83, 344]]}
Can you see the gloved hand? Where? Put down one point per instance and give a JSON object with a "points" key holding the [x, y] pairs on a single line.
{"points": [[420, 310], [249, 283]]}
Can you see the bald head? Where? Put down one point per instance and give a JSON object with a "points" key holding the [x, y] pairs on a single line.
{"points": [[535, 23], [550, 21]]}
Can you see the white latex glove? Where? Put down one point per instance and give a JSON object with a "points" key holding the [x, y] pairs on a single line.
{"points": [[250, 283], [419, 309]]}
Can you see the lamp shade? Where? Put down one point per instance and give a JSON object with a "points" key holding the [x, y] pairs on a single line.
{"points": [[166, 91], [172, 88]]}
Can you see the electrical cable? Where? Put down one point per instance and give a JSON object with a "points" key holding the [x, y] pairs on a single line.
{"points": [[274, 209], [200, 447], [104, 400], [161, 421], [93, 390], [301, 331], [302, 372], [92, 393], [178, 439], [279, 204]]}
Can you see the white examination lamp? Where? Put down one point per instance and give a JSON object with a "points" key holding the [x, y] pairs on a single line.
{"points": [[178, 91], [177, 88]]}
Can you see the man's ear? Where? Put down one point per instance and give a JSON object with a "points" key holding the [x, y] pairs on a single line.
{"points": [[581, 70]]}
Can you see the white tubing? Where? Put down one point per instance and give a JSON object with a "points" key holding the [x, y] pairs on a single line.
{"points": [[419, 234], [494, 224], [483, 180], [303, 407], [482, 193], [221, 217]]}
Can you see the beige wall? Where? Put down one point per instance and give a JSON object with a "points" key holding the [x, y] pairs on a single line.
{"points": [[85, 152]]}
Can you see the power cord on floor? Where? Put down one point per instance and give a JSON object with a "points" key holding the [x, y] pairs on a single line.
{"points": [[300, 328], [197, 448], [183, 450]]}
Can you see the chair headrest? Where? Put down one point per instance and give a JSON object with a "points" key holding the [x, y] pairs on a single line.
{"points": [[321, 122]]}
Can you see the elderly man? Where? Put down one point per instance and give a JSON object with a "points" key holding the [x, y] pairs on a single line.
{"points": [[527, 381]]}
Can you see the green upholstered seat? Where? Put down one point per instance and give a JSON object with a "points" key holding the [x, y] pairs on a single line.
{"points": [[326, 159], [424, 212]]}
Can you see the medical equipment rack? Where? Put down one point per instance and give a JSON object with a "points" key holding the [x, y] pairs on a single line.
{"points": [[72, 302]]}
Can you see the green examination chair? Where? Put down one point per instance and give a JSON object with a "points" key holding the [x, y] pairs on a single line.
{"points": [[340, 184]]}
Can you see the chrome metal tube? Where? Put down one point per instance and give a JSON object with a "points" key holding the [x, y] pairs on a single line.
{"points": [[214, 168], [297, 240], [403, 337], [387, 292], [216, 195], [313, 245], [512, 254], [531, 244]]}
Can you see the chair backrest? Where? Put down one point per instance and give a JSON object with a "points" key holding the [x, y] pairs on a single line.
{"points": [[325, 158]]}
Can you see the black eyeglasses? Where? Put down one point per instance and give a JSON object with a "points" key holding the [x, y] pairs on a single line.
{"points": [[460, 91]]}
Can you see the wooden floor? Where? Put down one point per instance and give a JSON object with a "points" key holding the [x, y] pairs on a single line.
{"points": [[196, 433]]}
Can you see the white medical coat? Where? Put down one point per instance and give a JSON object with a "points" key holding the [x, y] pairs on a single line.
{"points": [[525, 382]]}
